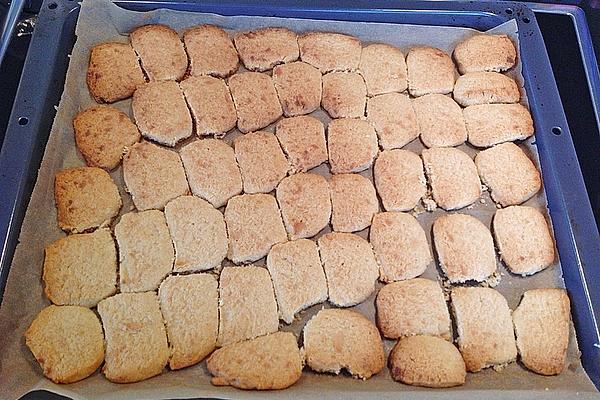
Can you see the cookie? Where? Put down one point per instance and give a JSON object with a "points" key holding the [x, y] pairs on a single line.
{"points": [[262, 49], [254, 225], [399, 178], [198, 233], [330, 51], [440, 120], [510, 175], [298, 277], [400, 246], [161, 113], [383, 68], [210, 51], [153, 176], [485, 52], [485, 88], [427, 361], [211, 105], [190, 308], [113, 72], [490, 124], [212, 171], [452, 176], [350, 268], [299, 88], [101, 135], [430, 70], [413, 307], [485, 329], [344, 95], [465, 248], [247, 306], [146, 252], [86, 198], [302, 139], [352, 145], [353, 202], [255, 100], [305, 204], [269, 362], [136, 340], [337, 339], [542, 326], [63, 356], [524, 240], [261, 160], [394, 119], [161, 52]]}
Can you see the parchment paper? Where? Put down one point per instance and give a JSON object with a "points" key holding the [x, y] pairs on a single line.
{"points": [[99, 21]]}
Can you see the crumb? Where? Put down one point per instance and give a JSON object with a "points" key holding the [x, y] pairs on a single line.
{"points": [[493, 280], [429, 204]]}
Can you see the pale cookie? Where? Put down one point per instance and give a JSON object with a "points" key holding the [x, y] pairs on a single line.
{"points": [[352, 145], [298, 277], [430, 70], [427, 361], [542, 327], [400, 180], [350, 268], [198, 233], [254, 225], [344, 95], [255, 100], [440, 120], [453, 177], [136, 340], [190, 308], [465, 248], [67, 342], [153, 176], [146, 252], [510, 175], [400, 246], [485, 328], [383, 68], [413, 307], [330, 51], [303, 141], [161, 52], [268, 362], [113, 72], [86, 198], [353, 202], [262, 49], [212, 170], [261, 160], [485, 53], [485, 88], [305, 204], [524, 240], [161, 113], [337, 339], [211, 105], [490, 124], [394, 119], [101, 135], [211, 51], [247, 306], [299, 88], [81, 269]]}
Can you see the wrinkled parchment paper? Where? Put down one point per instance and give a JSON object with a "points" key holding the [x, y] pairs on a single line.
{"points": [[99, 21]]}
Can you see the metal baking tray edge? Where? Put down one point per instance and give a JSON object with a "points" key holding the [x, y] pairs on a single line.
{"points": [[576, 233]]}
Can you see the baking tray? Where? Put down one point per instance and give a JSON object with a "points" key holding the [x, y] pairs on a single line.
{"points": [[575, 231]]}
